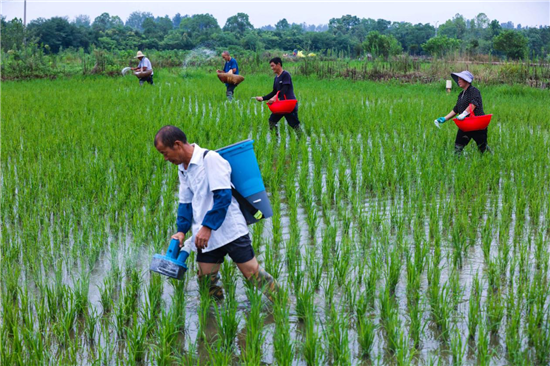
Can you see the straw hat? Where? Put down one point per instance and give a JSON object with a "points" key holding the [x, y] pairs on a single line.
{"points": [[465, 75], [139, 54]]}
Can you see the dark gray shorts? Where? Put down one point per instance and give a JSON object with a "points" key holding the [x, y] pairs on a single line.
{"points": [[240, 250]]}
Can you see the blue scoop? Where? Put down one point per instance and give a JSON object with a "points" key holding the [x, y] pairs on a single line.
{"points": [[173, 263]]}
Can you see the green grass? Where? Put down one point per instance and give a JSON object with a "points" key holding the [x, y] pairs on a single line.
{"points": [[389, 248]]}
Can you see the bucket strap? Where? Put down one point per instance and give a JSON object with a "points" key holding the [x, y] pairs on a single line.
{"points": [[243, 202]]}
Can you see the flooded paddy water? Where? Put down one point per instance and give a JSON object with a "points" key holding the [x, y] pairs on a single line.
{"points": [[388, 249]]}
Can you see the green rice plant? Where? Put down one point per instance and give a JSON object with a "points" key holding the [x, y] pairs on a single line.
{"points": [[304, 302], [483, 352], [416, 326], [474, 313], [106, 293], [81, 293], [205, 302], [458, 349], [91, 322], [166, 339], [272, 262], [136, 339], [228, 272], [366, 333], [404, 354], [227, 319], [442, 309], [252, 353], [393, 268], [337, 336], [283, 345]]}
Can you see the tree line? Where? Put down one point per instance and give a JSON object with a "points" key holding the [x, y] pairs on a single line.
{"points": [[348, 35]]}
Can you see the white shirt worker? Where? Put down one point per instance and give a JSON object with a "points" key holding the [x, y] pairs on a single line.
{"points": [[204, 175]]}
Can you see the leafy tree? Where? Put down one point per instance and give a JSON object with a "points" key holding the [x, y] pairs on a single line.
{"points": [[58, 33], [453, 28], [238, 24], [513, 44], [105, 22], [343, 25], [282, 25], [251, 42], [382, 45], [441, 45], [382, 25], [200, 28], [12, 33], [176, 20], [494, 29], [177, 39], [82, 21], [136, 19]]}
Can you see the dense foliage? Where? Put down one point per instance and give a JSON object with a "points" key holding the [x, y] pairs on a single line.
{"points": [[349, 35]]}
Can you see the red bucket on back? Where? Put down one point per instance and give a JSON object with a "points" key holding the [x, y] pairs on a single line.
{"points": [[282, 106], [473, 123]]}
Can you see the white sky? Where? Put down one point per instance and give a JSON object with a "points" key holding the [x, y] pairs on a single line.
{"points": [[531, 13]]}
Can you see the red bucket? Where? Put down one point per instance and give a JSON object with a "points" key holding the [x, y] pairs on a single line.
{"points": [[282, 106], [473, 123]]}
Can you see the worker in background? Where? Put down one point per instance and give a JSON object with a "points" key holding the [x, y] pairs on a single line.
{"points": [[231, 67], [283, 89], [469, 95], [144, 65]]}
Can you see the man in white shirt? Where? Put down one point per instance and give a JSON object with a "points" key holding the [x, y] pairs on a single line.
{"points": [[144, 65], [207, 206]]}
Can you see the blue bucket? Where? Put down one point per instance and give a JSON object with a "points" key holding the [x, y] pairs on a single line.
{"points": [[246, 175]]}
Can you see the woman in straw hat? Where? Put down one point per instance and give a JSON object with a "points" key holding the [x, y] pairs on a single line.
{"points": [[468, 95], [144, 65]]}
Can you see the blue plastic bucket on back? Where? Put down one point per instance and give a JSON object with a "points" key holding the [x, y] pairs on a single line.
{"points": [[245, 172], [246, 175]]}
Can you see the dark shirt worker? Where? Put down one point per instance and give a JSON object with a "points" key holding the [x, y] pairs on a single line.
{"points": [[469, 95], [283, 89]]}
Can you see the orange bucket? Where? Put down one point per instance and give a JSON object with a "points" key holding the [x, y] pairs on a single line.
{"points": [[284, 106], [472, 122]]}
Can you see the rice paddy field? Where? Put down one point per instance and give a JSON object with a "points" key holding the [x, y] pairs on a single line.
{"points": [[389, 249]]}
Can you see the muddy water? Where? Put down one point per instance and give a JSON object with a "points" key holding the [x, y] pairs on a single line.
{"points": [[431, 345]]}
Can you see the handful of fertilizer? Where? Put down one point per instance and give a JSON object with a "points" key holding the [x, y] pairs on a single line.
{"points": [[126, 70]]}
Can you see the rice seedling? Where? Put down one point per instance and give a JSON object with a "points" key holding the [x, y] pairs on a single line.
{"points": [[252, 353], [283, 345], [366, 332], [380, 238]]}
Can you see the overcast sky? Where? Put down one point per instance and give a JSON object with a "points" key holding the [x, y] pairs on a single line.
{"points": [[526, 13]]}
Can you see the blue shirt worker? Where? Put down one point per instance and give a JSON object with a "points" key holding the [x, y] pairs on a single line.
{"points": [[207, 207], [144, 65], [283, 88], [468, 95], [232, 67]]}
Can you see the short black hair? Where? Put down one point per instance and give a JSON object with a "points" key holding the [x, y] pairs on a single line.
{"points": [[168, 135], [276, 60]]}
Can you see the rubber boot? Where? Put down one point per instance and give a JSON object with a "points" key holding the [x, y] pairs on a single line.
{"points": [[458, 149], [298, 131], [214, 289], [229, 95], [265, 282]]}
